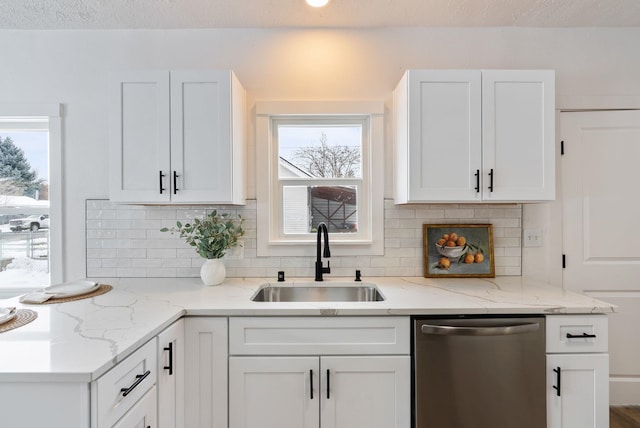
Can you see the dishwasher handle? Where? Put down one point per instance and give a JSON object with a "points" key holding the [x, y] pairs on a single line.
{"points": [[448, 330]]}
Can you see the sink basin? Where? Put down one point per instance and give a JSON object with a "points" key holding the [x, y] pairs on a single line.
{"points": [[318, 293]]}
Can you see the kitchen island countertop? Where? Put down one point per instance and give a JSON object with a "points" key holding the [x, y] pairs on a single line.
{"points": [[79, 341]]}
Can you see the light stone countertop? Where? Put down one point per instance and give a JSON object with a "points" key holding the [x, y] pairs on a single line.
{"points": [[81, 340]]}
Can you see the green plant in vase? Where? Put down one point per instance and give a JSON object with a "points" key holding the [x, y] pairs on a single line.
{"points": [[211, 237]]}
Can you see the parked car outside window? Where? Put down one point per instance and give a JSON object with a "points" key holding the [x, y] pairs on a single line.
{"points": [[32, 223]]}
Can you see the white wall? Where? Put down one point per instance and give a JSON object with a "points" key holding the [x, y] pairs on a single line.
{"points": [[71, 67]]}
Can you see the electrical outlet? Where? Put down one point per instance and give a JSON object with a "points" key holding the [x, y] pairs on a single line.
{"points": [[532, 238]]}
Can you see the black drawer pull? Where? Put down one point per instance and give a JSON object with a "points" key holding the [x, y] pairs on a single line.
{"points": [[558, 373], [170, 366], [477, 174], [161, 177], [139, 379], [175, 182], [491, 180], [311, 381], [580, 336], [328, 384]]}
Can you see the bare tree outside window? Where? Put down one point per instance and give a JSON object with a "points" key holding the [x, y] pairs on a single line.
{"points": [[329, 161]]}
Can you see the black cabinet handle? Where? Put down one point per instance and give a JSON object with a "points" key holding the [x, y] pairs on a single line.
{"points": [[161, 177], [477, 174], [491, 180], [139, 379], [580, 336], [328, 384], [558, 373], [311, 381], [170, 366], [175, 182]]}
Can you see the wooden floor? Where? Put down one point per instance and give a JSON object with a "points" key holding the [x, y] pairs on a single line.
{"points": [[624, 416]]}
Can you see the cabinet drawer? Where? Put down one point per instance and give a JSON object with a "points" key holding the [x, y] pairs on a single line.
{"points": [[142, 414], [317, 336], [577, 333], [121, 387]]}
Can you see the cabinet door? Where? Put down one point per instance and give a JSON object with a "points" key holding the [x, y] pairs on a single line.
{"points": [[583, 400], [274, 392], [518, 135], [142, 414], [206, 375], [202, 139], [372, 392], [171, 376], [444, 153], [139, 132]]}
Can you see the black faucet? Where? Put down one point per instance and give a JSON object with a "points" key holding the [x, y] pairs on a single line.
{"points": [[322, 228]]}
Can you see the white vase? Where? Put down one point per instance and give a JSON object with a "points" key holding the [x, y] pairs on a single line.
{"points": [[213, 272]]}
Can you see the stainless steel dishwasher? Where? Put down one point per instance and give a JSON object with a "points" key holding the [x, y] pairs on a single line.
{"points": [[479, 372]]}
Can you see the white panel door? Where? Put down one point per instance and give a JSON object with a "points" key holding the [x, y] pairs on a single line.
{"points": [[518, 128], [583, 400], [274, 392], [372, 392], [600, 229], [201, 137], [171, 376], [444, 135], [139, 132], [206, 375]]}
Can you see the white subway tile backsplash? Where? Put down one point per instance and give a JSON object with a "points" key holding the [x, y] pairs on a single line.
{"points": [[459, 213], [125, 240], [131, 253]]}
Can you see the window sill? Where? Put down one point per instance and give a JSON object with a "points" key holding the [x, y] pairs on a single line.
{"points": [[309, 249]]}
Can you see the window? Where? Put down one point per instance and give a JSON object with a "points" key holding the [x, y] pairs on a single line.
{"points": [[320, 170], [30, 250]]}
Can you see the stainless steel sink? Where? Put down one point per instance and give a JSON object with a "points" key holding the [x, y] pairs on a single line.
{"points": [[318, 293]]}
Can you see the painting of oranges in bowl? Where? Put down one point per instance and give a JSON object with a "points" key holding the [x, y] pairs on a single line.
{"points": [[458, 250]]}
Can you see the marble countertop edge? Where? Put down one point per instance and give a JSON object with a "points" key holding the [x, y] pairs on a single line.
{"points": [[80, 341]]}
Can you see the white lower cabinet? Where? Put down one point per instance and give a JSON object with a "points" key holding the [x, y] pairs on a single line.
{"points": [[171, 376], [274, 392], [206, 379], [582, 400], [365, 391], [577, 372], [357, 389], [299, 392]]}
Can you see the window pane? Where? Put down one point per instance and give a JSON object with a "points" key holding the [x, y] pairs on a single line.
{"points": [[24, 209], [304, 207], [320, 151]]}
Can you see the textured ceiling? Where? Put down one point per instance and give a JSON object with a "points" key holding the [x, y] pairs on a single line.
{"points": [[121, 14]]}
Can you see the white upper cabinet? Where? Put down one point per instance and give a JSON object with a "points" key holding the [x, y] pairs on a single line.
{"points": [[177, 137], [471, 136]]}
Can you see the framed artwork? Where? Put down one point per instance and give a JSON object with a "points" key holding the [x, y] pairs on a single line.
{"points": [[458, 251]]}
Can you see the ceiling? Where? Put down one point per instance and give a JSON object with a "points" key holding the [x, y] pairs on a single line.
{"points": [[168, 14]]}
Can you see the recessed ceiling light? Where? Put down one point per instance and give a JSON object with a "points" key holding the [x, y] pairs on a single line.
{"points": [[317, 3]]}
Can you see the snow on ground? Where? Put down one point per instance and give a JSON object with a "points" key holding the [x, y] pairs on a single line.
{"points": [[24, 272]]}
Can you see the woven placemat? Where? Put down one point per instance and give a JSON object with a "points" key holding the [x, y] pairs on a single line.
{"points": [[23, 317], [104, 288]]}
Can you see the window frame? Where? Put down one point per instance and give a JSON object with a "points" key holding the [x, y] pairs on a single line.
{"points": [[279, 183], [53, 114], [271, 240]]}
